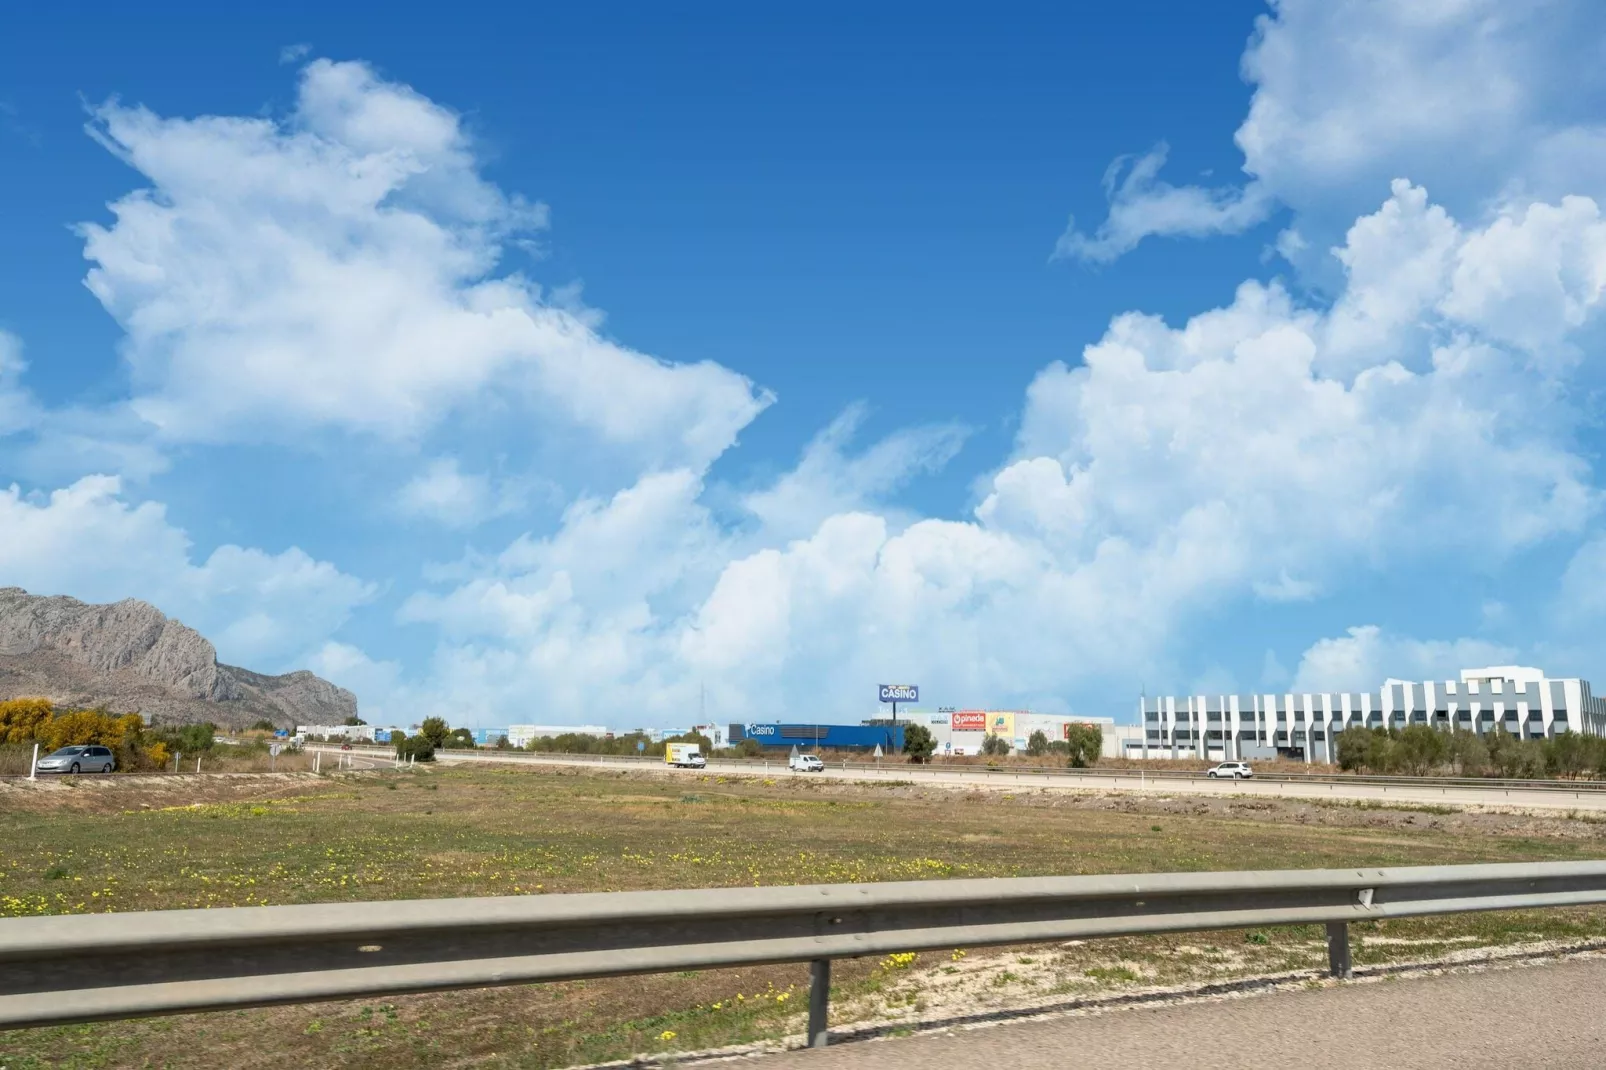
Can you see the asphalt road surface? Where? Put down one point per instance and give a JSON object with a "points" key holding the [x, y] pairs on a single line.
{"points": [[1425, 792], [1539, 1017]]}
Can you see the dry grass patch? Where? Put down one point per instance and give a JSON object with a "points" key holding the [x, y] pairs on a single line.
{"points": [[171, 842]]}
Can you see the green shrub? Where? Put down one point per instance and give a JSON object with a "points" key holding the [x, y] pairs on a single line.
{"points": [[419, 748], [1084, 743], [1354, 746], [918, 743], [435, 729], [185, 738], [576, 743]]}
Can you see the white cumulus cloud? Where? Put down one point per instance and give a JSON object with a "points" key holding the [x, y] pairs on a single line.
{"points": [[18, 409], [1365, 656], [261, 610], [1475, 99], [342, 267], [444, 493], [829, 479], [1263, 450], [1141, 204]]}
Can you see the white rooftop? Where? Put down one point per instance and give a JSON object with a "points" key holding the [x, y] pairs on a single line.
{"points": [[1517, 674]]}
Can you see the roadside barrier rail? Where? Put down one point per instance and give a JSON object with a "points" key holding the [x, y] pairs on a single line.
{"points": [[82, 968]]}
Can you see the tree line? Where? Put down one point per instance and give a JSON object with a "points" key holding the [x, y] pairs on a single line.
{"points": [[1081, 747], [435, 734], [1422, 750]]}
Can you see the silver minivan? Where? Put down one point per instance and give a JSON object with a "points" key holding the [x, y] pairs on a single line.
{"points": [[78, 759]]}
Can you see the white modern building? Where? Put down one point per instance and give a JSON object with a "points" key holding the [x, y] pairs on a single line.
{"points": [[1217, 727], [718, 734]]}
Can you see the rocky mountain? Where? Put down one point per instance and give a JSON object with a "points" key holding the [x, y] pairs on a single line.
{"points": [[130, 656]]}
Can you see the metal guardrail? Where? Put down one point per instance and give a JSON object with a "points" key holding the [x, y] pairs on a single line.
{"points": [[81, 968]]}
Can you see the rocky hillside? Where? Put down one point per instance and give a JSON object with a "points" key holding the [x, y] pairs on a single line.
{"points": [[130, 656]]}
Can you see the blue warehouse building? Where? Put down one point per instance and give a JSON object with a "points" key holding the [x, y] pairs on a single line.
{"points": [[889, 737]]}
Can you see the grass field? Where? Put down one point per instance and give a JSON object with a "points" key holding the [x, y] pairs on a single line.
{"points": [[188, 842]]}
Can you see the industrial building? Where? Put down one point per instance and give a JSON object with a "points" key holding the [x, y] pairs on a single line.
{"points": [[867, 737], [961, 732], [956, 732], [364, 733], [1218, 727], [520, 735]]}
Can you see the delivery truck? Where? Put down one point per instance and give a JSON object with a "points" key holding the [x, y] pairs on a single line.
{"points": [[684, 755]]}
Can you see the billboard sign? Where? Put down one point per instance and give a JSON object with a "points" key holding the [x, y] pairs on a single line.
{"points": [[900, 693], [968, 721], [1001, 724], [1065, 729]]}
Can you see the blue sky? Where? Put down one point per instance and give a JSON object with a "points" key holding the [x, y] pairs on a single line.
{"points": [[548, 364]]}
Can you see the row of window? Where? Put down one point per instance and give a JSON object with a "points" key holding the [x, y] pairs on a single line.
{"points": [[1251, 732], [1413, 716]]}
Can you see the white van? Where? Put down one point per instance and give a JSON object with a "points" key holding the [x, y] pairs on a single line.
{"points": [[806, 763]]}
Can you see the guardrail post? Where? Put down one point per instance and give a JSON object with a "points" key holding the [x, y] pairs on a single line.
{"points": [[819, 1002], [1338, 960]]}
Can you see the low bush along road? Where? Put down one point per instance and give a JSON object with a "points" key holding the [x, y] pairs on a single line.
{"points": [[186, 842]]}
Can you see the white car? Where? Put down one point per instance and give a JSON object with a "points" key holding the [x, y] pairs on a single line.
{"points": [[806, 763], [1236, 770]]}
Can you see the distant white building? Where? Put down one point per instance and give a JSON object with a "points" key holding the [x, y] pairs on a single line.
{"points": [[1514, 697], [961, 732], [520, 735], [717, 733], [337, 731]]}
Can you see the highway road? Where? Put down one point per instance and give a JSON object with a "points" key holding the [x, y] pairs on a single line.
{"points": [[1532, 1017], [1425, 791]]}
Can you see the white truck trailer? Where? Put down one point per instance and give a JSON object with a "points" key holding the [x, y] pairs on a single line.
{"points": [[684, 755]]}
